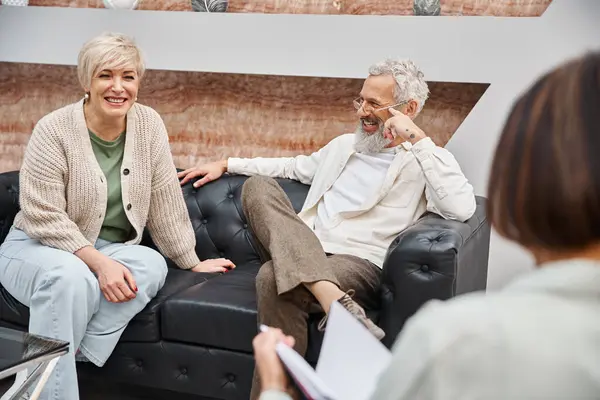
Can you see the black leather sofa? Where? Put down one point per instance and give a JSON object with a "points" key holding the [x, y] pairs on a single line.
{"points": [[195, 337]]}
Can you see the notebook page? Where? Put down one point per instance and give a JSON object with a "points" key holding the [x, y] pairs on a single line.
{"points": [[351, 358]]}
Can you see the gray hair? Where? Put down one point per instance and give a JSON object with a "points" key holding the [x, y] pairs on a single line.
{"points": [[109, 50], [409, 80]]}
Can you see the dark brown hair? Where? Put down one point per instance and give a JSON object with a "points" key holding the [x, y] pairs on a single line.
{"points": [[544, 187]]}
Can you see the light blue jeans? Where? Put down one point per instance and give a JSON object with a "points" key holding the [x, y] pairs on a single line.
{"points": [[65, 301]]}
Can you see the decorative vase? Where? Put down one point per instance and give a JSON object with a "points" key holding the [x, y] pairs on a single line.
{"points": [[427, 7], [210, 5], [121, 4]]}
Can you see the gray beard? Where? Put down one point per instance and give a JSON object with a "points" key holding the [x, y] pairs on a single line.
{"points": [[373, 143]]}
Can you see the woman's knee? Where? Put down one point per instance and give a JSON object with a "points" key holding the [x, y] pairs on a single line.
{"points": [[157, 266], [146, 264], [70, 276]]}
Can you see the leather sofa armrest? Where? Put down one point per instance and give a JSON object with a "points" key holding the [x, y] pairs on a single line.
{"points": [[432, 259]]}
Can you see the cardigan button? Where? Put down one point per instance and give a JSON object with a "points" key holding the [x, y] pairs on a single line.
{"points": [[425, 268], [125, 171], [128, 206]]}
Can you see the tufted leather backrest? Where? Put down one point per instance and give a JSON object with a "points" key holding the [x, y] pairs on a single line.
{"points": [[9, 201], [215, 210]]}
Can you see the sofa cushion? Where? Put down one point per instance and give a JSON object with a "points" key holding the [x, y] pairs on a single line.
{"points": [[145, 326], [220, 312], [12, 311], [9, 201]]}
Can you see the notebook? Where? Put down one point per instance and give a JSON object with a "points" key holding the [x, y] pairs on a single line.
{"points": [[350, 362]]}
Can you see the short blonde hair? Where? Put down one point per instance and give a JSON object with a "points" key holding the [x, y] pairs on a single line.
{"points": [[107, 51]]}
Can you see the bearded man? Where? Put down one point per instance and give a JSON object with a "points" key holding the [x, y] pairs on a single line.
{"points": [[366, 187]]}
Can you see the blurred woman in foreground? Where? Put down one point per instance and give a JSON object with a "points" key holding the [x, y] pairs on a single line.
{"points": [[539, 337]]}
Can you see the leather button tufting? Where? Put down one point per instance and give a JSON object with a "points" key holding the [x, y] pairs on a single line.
{"points": [[231, 377], [425, 268], [230, 195], [184, 370], [138, 363], [204, 222], [245, 226]]}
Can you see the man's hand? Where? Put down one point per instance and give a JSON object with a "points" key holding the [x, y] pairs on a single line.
{"points": [[214, 265], [400, 125], [210, 172], [270, 370]]}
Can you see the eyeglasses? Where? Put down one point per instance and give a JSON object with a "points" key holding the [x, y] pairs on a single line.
{"points": [[359, 103]]}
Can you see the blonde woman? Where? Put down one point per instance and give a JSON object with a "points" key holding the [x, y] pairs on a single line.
{"points": [[94, 175]]}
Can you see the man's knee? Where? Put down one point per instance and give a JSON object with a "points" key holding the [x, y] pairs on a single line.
{"points": [[255, 188]]}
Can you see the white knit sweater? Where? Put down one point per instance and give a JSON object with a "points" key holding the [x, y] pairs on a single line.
{"points": [[63, 191]]}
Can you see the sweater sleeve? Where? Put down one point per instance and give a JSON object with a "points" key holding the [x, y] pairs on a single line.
{"points": [[448, 192], [168, 219], [302, 168], [42, 193]]}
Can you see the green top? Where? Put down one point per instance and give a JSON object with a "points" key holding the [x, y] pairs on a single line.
{"points": [[116, 227]]}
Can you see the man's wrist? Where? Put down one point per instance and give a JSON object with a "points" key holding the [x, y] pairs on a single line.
{"points": [[416, 136]]}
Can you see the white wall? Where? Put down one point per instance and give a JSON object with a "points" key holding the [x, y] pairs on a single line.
{"points": [[506, 52]]}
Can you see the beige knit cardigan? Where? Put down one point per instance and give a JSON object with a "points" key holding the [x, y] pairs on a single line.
{"points": [[63, 191]]}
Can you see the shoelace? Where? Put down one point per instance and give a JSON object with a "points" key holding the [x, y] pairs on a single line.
{"points": [[346, 301]]}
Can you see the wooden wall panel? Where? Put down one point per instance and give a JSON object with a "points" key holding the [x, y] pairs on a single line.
{"points": [[210, 116]]}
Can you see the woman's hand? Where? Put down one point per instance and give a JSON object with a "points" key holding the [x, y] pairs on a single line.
{"points": [[270, 370], [214, 265], [115, 280]]}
